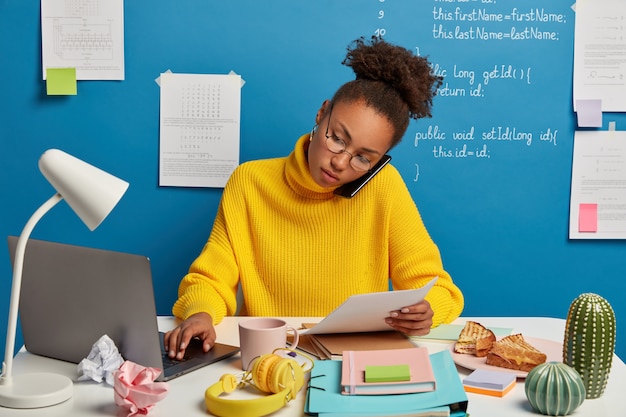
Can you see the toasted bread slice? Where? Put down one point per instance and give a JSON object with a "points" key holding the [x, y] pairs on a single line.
{"points": [[474, 339], [514, 352]]}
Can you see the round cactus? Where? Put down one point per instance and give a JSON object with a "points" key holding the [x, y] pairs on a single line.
{"points": [[554, 389], [589, 341]]}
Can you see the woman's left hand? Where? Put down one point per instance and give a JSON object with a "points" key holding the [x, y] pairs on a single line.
{"points": [[414, 320]]}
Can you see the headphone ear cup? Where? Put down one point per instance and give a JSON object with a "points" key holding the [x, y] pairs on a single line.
{"points": [[288, 374], [229, 383], [272, 373], [262, 369]]}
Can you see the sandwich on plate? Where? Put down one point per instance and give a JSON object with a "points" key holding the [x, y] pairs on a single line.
{"points": [[474, 339], [514, 352]]}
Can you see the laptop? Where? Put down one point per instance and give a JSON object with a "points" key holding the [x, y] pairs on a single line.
{"points": [[73, 295]]}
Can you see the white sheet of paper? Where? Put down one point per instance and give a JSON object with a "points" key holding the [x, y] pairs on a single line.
{"points": [[367, 312], [599, 60], [87, 35], [599, 177], [199, 129]]}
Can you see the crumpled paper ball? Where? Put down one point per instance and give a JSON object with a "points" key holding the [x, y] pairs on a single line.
{"points": [[135, 390], [102, 361]]}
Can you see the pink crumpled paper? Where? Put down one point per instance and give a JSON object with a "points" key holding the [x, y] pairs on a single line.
{"points": [[135, 390]]}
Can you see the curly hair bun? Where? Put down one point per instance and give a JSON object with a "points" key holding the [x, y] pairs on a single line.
{"points": [[410, 75]]}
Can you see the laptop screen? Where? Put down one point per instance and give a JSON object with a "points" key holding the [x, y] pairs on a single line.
{"points": [[73, 295]]}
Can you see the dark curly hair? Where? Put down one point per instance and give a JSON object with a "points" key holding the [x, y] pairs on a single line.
{"points": [[391, 80]]}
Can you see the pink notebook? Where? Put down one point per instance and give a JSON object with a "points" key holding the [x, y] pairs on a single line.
{"points": [[422, 378]]}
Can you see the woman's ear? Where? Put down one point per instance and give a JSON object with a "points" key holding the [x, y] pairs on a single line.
{"points": [[322, 111]]}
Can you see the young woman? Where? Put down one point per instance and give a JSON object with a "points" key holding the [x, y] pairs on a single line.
{"points": [[296, 248]]}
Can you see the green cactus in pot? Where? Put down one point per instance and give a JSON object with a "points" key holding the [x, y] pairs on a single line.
{"points": [[589, 341]]}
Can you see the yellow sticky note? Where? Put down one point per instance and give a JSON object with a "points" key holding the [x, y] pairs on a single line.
{"points": [[61, 81]]}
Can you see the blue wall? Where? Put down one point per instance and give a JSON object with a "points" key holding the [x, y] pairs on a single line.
{"points": [[500, 215]]}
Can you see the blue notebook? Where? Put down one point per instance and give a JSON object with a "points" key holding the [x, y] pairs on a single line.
{"points": [[430, 412], [324, 393]]}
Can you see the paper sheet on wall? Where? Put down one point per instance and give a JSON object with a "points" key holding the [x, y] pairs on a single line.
{"points": [[199, 129], [599, 59], [598, 194], [87, 35]]}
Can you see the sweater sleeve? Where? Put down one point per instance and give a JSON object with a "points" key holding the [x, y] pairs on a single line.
{"points": [[211, 284], [415, 259]]}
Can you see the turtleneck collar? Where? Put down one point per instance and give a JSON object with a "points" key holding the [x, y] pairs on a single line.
{"points": [[298, 175]]}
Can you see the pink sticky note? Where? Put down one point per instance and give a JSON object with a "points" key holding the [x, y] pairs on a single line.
{"points": [[588, 217]]}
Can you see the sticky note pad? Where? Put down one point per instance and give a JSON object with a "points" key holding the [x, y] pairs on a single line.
{"points": [[61, 81], [486, 382], [589, 113], [588, 218], [387, 373]]}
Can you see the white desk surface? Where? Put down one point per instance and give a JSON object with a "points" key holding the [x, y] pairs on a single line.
{"points": [[186, 395]]}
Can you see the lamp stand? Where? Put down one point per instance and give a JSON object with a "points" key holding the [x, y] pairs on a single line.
{"points": [[34, 390]]}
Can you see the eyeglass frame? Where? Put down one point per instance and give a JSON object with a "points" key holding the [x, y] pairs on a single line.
{"points": [[337, 139]]}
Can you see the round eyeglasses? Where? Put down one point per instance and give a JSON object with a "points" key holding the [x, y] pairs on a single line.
{"points": [[337, 145]]}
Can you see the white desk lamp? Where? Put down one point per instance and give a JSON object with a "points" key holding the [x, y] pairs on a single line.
{"points": [[92, 194]]}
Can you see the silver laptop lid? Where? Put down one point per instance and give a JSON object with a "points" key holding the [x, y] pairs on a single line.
{"points": [[72, 295]]}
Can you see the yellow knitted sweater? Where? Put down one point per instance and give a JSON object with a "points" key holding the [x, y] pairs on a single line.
{"points": [[296, 249]]}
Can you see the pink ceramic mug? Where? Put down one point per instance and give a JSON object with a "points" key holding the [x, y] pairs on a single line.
{"points": [[262, 335]]}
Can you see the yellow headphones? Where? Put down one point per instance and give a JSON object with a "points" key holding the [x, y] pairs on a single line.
{"points": [[279, 376]]}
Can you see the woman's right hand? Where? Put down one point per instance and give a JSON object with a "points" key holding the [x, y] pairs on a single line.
{"points": [[199, 326]]}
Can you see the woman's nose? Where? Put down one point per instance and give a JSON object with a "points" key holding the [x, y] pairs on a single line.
{"points": [[341, 160]]}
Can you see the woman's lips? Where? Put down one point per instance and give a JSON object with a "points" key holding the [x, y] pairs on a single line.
{"points": [[329, 176]]}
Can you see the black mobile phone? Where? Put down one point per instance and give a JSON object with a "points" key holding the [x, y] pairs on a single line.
{"points": [[350, 189]]}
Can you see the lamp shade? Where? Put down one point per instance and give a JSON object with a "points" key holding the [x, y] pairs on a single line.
{"points": [[89, 191], [92, 194]]}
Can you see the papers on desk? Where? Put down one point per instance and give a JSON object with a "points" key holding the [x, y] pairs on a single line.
{"points": [[359, 324], [332, 346]]}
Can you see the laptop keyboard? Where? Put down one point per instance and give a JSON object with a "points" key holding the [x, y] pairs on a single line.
{"points": [[193, 350], [167, 361]]}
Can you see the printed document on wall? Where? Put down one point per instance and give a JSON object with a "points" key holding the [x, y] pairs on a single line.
{"points": [[199, 129], [599, 58], [598, 195], [87, 35]]}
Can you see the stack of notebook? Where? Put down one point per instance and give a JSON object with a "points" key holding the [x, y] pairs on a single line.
{"points": [[380, 372], [325, 397], [332, 346], [359, 324]]}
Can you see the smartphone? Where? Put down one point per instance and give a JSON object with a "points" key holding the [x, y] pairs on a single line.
{"points": [[350, 189]]}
